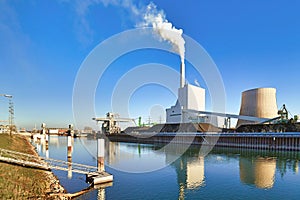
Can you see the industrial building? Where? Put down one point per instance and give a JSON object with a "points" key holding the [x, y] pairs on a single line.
{"points": [[258, 102], [190, 97], [4, 128], [258, 113]]}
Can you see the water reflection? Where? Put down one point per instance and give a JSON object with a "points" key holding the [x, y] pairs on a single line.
{"points": [[112, 152], [101, 194], [284, 165], [42, 145], [192, 172], [56, 141], [258, 171], [257, 168], [133, 158], [189, 167], [195, 173]]}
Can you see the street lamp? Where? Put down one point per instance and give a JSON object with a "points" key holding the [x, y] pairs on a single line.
{"points": [[11, 111]]}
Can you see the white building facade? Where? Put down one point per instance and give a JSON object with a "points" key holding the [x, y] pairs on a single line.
{"points": [[189, 97]]}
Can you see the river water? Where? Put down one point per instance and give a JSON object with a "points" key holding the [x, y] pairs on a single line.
{"points": [[144, 171]]}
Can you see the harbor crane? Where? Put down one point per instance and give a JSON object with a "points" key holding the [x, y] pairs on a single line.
{"points": [[284, 116], [110, 123]]}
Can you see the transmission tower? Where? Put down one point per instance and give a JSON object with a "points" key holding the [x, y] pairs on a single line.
{"points": [[11, 115]]}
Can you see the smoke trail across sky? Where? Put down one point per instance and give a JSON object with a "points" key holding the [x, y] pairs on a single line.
{"points": [[144, 16]]}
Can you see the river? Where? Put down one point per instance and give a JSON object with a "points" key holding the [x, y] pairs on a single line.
{"points": [[144, 171]]}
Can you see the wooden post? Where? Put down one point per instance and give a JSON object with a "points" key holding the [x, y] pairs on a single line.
{"points": [[100, 155]]}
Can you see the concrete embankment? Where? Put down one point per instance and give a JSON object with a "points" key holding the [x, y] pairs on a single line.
{"points": [[17, 182]]}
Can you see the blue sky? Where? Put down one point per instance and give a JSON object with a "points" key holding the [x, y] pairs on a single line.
{"points": [[43, 43]]}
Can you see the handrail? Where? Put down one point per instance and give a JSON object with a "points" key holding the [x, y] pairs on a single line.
{"points": [[18, 157]]}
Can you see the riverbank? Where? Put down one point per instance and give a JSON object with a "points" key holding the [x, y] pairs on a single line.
{"points": [[17, 182]]}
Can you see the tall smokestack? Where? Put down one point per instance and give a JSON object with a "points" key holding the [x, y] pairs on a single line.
{"points": [[166, 30], [182, 74]]}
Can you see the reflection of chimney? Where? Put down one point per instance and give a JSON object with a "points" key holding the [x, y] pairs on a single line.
{"points": [[182, 74]]}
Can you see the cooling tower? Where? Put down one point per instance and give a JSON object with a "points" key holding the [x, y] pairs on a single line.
{"points": [[259, 102]]}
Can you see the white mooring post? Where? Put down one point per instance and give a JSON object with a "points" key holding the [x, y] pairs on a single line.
{"points": [[100, 154], [47, 153], [42, 134], [71, 130], [47, 141], [43, 126], [69, 147], [47, 145], [69, 167], [100, 177]]}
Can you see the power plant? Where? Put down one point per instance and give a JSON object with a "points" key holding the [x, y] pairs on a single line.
{"points": [[258, 113], [188, 122], [259, 102], [189, 97]]}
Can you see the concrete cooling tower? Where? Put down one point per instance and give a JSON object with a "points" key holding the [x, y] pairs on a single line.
{"points": [[259, 102]]}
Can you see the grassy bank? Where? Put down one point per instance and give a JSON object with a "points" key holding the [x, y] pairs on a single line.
{"points": [[18, 182]]}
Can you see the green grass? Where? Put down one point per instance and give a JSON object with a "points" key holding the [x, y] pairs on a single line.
{"points": [[18, 182], [15, 143]]}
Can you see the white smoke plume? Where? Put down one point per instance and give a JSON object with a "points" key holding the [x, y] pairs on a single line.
{"points": [[157, 19], [144, 16]]}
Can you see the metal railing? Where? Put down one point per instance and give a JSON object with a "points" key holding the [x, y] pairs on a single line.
{"points": [[43, 163]]}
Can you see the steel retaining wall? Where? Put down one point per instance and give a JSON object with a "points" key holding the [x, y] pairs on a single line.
{"points": [[270, 141]]}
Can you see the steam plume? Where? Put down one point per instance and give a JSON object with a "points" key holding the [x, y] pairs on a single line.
{"points": [[144, 16], [164, 28]]}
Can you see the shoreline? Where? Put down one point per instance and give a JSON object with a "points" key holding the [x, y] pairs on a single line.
{"points": [[19, 182], [55, 186], [58, 191]]}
